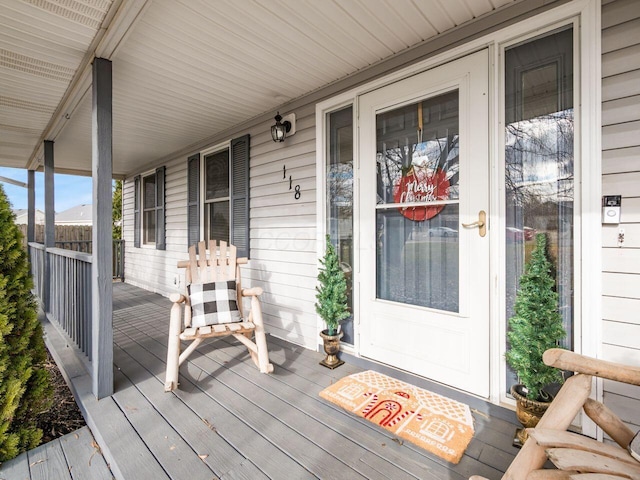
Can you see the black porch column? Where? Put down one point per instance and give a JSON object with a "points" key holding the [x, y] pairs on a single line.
{"points": [[102, 274]]}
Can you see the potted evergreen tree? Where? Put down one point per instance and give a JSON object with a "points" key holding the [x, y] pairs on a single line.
{"points": [[535, 327], [332, 303]]}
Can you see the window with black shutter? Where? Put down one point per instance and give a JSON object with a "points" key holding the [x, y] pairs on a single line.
{"points": [[193, 199], [239, 196], [160, 211], [221, 201], [149, 209], [136, 211]]}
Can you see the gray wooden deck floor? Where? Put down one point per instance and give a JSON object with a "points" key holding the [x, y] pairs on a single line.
{"points": [[229, 421], [74, 456]]}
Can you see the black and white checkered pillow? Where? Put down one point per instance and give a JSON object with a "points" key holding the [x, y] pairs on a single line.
{"points": [[213, 303]]}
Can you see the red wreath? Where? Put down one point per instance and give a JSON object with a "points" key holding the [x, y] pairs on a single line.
{"points": [[418, 185]]}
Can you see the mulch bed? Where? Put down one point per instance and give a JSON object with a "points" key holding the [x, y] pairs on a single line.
{"points": [[64, 416]]}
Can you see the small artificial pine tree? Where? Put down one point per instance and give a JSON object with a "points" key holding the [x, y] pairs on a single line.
{"points": [[25, 390], [332, 291], [536, 325]]}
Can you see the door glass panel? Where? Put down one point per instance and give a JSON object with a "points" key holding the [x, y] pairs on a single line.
{"points": [[539, 163], [340, 201], [417, 214]]}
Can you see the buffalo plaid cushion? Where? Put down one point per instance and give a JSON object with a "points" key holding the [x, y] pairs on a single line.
{"points": [[213, 303]]}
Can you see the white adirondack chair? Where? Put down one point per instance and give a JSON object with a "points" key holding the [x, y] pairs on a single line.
{"points": [[221, 265]]}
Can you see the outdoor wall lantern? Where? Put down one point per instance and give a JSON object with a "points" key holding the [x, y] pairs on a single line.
{"points": [[284, 127]]}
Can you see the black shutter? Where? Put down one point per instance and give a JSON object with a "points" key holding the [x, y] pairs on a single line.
{"points": [[239, 228], [136, 211], [161, 243], [193, 199]]}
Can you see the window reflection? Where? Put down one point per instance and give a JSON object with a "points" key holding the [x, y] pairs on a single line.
{"points": [[418, 166], [539, 162], [340, 200], [216, 205], [419, 139]]}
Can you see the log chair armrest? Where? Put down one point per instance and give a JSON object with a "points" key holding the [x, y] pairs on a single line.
{"points": [[252, 292], [177, 298], [574, 362]]}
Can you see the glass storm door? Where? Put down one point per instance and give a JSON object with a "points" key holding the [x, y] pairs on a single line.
{"points": [[424, 180]]}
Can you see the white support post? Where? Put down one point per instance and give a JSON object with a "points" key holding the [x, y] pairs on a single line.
{"points": [[102, 288], [49, 222]]}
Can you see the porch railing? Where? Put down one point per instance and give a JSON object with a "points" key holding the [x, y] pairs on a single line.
{"points": [[36, 255], [86, 246], [75, 245], [69, 291], [118, 259]]}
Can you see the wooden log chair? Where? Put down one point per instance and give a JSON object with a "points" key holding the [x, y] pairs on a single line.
{"points": [[222, 265], [576, 456]]}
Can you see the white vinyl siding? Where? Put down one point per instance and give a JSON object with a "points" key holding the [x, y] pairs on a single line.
{"points": [[283, 235], [283, 257], [283, 232], [621, 176], [152, 269]]}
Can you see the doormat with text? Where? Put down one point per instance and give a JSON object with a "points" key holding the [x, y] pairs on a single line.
{"points": [[438, 424]]}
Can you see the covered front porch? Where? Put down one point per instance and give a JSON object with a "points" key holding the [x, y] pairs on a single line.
{"points": [[227, 420]]}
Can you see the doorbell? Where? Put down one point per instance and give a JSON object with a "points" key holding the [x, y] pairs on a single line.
{"points": [[611, 208]]}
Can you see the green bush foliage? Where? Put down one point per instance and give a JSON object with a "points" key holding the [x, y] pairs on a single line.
{"points": [[332, 291], [116, 209], [25, 389], [536, 325]]}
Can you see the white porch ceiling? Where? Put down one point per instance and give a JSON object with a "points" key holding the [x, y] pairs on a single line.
{"points": [[184, 70]]}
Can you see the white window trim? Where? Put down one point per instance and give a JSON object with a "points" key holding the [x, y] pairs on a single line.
{"points": [[143, 244], [500, 261], [333, 105], [226, 145], [588, 272]]}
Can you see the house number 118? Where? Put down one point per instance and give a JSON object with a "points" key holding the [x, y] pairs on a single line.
{"points": [[297, 193]]}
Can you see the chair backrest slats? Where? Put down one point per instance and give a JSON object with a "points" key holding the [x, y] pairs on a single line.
{"points": [[192, 271], [221, 261], [232, 263], [202, 262], [220, 264]]}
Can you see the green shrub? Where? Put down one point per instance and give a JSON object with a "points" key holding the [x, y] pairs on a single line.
{"points": [[25, 390]]}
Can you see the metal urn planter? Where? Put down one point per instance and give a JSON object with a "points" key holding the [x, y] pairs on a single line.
{"points": [[331, 348], [528, 412]]}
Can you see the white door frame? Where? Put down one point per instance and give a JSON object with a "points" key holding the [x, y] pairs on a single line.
{"points": [[586, 17], [432, 350]]}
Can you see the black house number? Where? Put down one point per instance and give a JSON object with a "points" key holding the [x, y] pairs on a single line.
{"points": [[296, 190]]}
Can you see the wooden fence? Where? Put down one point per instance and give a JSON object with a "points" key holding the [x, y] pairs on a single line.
{"points": [[63, 233], [78, 239]]}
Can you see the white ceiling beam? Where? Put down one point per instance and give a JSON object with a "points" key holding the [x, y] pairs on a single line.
{"points": [[118, 22], [13, 182]]}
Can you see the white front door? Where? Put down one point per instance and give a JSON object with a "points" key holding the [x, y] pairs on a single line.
{"points": [[424, 174]]}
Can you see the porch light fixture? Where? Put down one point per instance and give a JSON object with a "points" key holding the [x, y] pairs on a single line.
{"points": [[284, 127]]}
